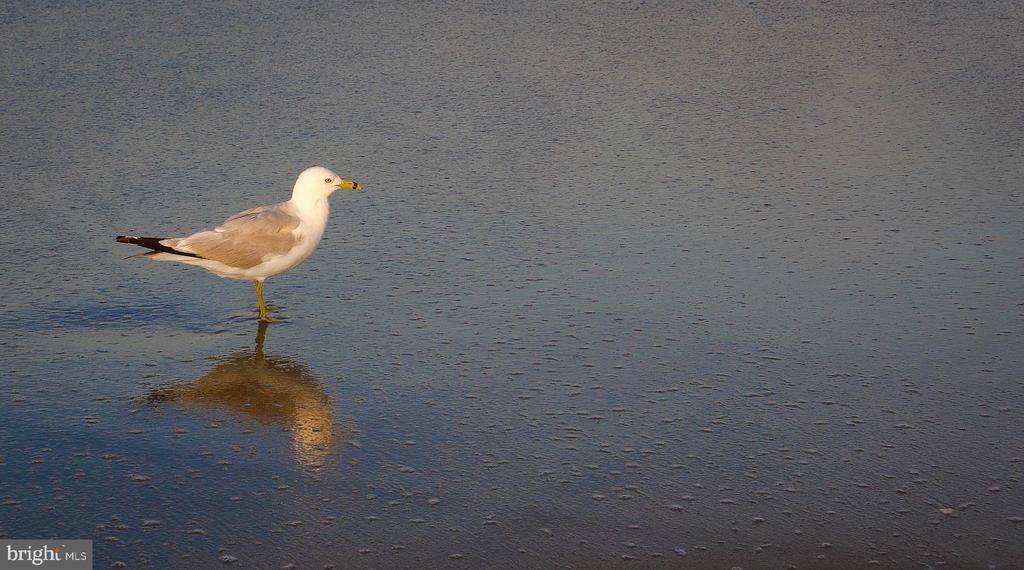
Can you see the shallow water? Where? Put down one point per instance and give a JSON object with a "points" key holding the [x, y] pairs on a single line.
{"points": [[631, 284]]}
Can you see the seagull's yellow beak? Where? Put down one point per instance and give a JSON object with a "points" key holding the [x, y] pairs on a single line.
{"points": [[349, 185]]}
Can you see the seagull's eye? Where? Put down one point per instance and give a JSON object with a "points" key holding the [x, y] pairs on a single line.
{"points": [[328, 180]]}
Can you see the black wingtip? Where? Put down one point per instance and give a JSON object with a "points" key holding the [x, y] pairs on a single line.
{"points": [[154, 244]]}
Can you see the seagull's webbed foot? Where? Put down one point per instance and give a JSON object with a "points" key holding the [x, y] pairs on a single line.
{"points": [[264, 310]]}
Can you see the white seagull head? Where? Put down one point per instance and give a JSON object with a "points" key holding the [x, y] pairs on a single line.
{"points": [[319, 182]]}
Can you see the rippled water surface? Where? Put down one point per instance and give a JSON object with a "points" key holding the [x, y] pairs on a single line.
{"points": [[637, 284]]}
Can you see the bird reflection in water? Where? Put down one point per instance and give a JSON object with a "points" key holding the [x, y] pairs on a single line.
{"points": [[271, 390]]}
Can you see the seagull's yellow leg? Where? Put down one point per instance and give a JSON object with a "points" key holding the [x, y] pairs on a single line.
{"points": [[264, 317]]}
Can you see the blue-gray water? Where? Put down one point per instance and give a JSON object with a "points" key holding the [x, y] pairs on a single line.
{"points": [[650, 284]]}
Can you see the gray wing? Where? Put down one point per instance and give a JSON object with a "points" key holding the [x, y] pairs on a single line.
{"points": [[245, 239]]}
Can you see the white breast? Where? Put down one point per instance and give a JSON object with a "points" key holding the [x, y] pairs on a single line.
{"points": [[308, 234]]}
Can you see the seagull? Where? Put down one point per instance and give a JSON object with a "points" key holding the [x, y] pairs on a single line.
{"points": [[259, 242]]}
